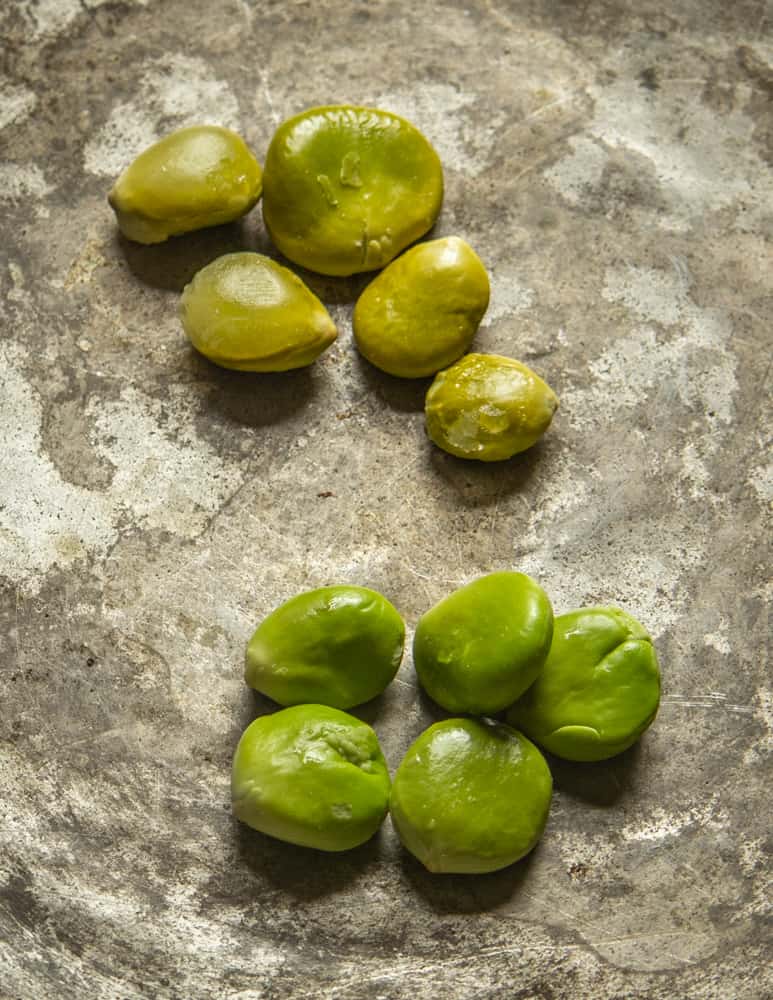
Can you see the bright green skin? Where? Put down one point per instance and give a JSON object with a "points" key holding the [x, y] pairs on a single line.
{"points": [[347, 188], [311, 775], [488, 408], [247, 312], [422, 312], [483, 645], [470, 796], [336, 646], [598, 691], [195, 177]]}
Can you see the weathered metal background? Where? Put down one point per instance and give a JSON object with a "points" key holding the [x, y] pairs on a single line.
{"points": [[610, 161]]}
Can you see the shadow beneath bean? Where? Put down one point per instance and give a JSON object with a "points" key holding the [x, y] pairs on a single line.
{"points": [[431, 711], [252, 399], [601, 783], [260, 704], [331, 290], [251, 706], [302, 872], [371, 711], [172, 264], [478, 484], [337, 290], [403, 394], [257, 705], [466, 893]]}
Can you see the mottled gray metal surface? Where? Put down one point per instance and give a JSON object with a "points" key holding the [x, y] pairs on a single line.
{"points": [[610, 161]]}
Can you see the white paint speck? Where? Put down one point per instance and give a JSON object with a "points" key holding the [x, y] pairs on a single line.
{"points": [[755, 864], [696, 364], [752, 856], [171, 92], [656, 296], [761, 481], [695, 471], [124, 135], [596, 852], [662, 825], [577, 175], [701, 169], [16, 102], [762, 748], [18, 291], [50, 18], [567, 499], [509, 295], [22, 180], [165, 477], [718, 639], [43, 519]]}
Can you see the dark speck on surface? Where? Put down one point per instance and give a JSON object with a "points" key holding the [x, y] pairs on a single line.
{"points": [[649, 78]]}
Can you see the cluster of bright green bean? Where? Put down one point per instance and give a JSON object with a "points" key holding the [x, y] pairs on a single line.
{"points": [[472, 794], [345, 190]]}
